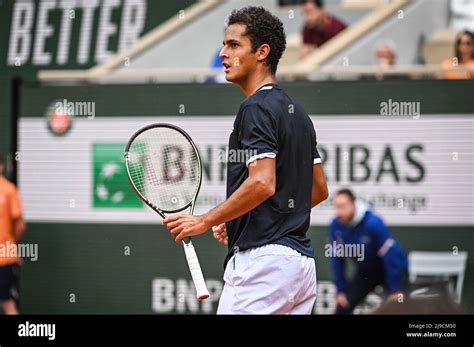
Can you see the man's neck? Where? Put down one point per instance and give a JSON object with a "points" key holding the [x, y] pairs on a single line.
{"points": [[253, 84]]}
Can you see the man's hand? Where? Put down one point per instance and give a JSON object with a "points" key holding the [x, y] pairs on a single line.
{"points": [[185, 225], [341, 300], [220, 233]]}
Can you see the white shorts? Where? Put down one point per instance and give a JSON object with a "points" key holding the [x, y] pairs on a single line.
{"points": [[271, 279]]}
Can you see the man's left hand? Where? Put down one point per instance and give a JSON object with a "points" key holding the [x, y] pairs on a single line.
{"points": [[185, 225]]}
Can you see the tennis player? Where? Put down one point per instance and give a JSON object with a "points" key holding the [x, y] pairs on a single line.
{"points": [[270, 266]]}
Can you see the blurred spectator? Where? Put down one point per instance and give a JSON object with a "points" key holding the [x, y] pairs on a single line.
{"points": [[11, 229], [359, 234], [462, 15], [385, 58], [385, 55], [464, 57], [319, 26]]}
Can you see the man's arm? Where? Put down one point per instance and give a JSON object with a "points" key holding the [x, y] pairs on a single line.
{"points": [[16, 214], [258, 187], [18, 228], [319, 191], [392, 258]]}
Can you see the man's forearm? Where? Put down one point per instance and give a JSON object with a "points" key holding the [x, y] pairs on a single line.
{"points": [[248, 196], [316, 199], [319, 190], [18, 229]]}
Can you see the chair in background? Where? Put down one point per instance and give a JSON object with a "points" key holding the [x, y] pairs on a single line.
{"points": [[437, 265]]}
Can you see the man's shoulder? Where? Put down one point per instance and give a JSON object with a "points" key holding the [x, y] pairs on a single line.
{"points": [[337, 23], [373, 220], [250, 103]]}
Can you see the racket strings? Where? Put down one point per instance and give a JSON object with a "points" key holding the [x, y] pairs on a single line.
{"points": [[164, 167]]}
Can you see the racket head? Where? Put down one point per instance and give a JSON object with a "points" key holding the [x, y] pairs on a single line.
{"points": [[164, 167]]}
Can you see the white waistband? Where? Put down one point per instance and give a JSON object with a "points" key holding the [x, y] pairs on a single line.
{"points": [[273, 249]]}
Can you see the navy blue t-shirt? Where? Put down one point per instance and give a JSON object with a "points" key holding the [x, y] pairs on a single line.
{"points": [[272, 124]]}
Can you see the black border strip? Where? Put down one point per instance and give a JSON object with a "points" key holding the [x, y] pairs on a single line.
{"points": [[380, 330]]}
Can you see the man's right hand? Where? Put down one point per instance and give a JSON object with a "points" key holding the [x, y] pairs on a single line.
{"points": [[341, 300], [220, 233]]}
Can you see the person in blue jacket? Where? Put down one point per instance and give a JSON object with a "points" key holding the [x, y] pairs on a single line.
{"points": [[358, 233]]}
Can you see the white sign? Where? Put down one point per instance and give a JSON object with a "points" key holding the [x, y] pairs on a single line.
{"points": [[414, 171]]}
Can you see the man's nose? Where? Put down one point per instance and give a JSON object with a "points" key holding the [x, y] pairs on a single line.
{"points": [[223, 53]]}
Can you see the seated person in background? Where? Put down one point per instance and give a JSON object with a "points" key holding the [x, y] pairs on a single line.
{"points": [[464, 56], [361, 235], [385, 58], [319, 26], [385, 55]]}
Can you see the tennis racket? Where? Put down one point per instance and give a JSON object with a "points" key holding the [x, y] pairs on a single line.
{"points": [[164, 168]]}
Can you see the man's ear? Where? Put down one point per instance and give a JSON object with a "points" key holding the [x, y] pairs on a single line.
{"points": [[263, 51]]}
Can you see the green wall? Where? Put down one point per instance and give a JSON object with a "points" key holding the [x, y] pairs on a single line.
{"points": [[345, 98], [89, 261]]}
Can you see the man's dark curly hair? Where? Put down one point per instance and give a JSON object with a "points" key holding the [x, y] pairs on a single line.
{"points": [[262, 27]]}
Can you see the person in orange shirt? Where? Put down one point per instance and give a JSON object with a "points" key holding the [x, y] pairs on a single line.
{"points": [[464, 57], [12, 227]]}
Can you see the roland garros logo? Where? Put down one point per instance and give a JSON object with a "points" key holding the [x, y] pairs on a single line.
{"points": [[60, 114], [59, 120]]}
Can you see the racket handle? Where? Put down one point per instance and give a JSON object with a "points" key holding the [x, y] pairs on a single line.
{"points": [[196, 272]]}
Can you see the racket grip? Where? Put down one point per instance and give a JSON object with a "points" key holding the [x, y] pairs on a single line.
{"points": [[196, 272]]}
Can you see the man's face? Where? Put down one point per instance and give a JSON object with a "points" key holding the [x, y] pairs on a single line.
{"points": [[313, 14], [385, 56], [236, 55], [345, 208]]}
